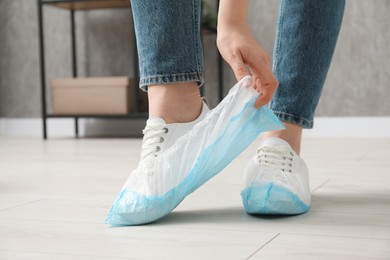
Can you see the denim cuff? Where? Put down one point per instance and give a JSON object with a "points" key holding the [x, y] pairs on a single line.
{"points": [[296, 120], [171, 78]]}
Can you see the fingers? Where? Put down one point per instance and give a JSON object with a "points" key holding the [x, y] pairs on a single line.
{"points": [[264, 99], [265, 94], [265, 81]]}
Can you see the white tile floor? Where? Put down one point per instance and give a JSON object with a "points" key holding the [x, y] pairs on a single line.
{"points": [[54, 197]]}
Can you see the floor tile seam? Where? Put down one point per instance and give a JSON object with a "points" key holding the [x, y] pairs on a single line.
{"points": [[334, 236], [375, 195], [320, 186], [344, 213], [51, 220], [262, 231], [82, 200], [20, 205], [138, 227], [261, 247], [126, 237], [352, 212], [64, 254], [225, 229], [163, 225], [357, 177], [214, 229]]}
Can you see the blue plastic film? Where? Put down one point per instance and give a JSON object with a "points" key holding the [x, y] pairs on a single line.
{"points": [[272, 199], [194, 158]]}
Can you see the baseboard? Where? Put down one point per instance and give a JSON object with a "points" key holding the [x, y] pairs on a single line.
{"points": [[65, 127], [365, 127], [375, 127]]}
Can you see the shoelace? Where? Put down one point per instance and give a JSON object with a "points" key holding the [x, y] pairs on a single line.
{"points": [[152, 139], [277, 158]]}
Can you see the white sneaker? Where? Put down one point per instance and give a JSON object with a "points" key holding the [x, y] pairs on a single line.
{"points": [[158, 137], [177, 159], [276, 181]]}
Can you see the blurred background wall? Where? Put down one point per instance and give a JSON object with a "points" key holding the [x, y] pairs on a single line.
{"points": [[357, 84]]}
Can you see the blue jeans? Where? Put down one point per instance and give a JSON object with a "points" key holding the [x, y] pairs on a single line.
{"points": [[168, 41], [170, 49]]}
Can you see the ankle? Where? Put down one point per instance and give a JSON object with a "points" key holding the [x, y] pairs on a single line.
{"points": [[292, 135], [175, 103]]}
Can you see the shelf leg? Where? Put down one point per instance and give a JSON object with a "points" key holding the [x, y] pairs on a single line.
{"points": [[42, 68], [74, 60], [76, 126], [73, 43]]}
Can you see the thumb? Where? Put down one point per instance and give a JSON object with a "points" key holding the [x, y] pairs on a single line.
{"points": [[238, 67]]}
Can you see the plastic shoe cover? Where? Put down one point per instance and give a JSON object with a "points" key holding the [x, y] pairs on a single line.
{"points": [[272, 199], [195, 157], [276, 181]]}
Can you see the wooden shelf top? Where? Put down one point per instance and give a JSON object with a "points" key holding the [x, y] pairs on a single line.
{"points": [[89, 4]]}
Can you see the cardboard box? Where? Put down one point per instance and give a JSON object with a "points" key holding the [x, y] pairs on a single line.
{"points": [[81, 96]]}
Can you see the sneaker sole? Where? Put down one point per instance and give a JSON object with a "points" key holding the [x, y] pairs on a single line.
{"points": [[272, 199]]}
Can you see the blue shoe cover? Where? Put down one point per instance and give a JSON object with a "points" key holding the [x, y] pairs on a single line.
{"points": [[272, 199], [194, 158]]}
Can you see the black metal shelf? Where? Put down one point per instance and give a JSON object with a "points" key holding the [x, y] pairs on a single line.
{"points": [[87, 4], [72, 8], [107, 116], [94, 4]]}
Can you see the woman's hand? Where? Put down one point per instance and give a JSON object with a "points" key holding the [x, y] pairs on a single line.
{"points": [[239, 48]]}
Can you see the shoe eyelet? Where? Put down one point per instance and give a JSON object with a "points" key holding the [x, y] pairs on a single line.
{"points": [[166, 130], [158, 148], [161, 139]]}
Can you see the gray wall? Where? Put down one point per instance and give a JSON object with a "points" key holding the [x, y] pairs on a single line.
{"points": [[357, 83]]}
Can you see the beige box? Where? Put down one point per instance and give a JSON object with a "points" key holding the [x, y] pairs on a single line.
{"points": [[111, 95]]}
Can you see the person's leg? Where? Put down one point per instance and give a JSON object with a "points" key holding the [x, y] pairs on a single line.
{"points": [[175, 103], [307, 32], [170, 57], [171, 70], [277, 178]]}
